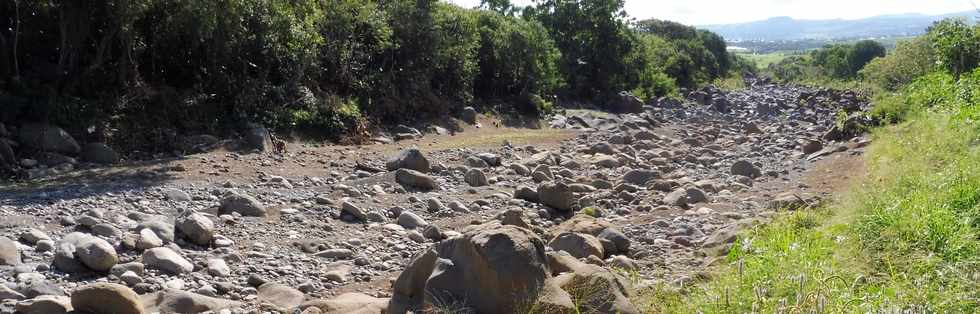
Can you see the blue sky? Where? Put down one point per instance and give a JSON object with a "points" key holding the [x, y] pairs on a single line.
{"points": [[700, 12]]}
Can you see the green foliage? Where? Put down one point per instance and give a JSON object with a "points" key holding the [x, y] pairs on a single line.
{"points": [[165, 67], [937, 91], [517, 58], [792, 69], [957, 45], [906, 239], [594, 42], [861, 53], [688, 55], [910, 60], [833, 62]]}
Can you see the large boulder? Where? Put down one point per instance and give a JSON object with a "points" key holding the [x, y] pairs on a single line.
{"points": [[476, 178], [579, 245], [598, 290], [176, 301], [491, 268], [348, 303], [415, 179], [411, 158], [96, 254], [106, 298], [7, 157], [625, 102], [242, 204], [257, 137], [469, 115], [745, 168], [280, 295], [99, 153], [47, 138], [9, 254], [556, 195], [197, 228], [167, 260], [47, 304]]}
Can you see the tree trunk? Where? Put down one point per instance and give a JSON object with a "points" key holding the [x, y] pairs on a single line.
{"points": [[16, 38]]}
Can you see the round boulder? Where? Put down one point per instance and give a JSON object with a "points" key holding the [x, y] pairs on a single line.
{"points": [[99, 153], [485, 269], [197, 228], [47, 138], [411, 158], [106, 298], [579, 245], [242, 204], [96, 254]]}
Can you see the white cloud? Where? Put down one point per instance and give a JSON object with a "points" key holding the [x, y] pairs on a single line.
{"points": [[699, 12]]}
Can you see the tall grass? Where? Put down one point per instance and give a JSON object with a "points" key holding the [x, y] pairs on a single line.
{"points": [[905, 239]]}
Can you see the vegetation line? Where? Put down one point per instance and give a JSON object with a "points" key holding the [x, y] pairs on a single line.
{"points": [[907, 238]]}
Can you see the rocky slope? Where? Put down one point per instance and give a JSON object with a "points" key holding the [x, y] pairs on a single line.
{"points": [[343, 229]]}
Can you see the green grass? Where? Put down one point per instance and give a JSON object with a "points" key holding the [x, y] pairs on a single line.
{"points": [[906, 239], [731, 83], [763, 60]]}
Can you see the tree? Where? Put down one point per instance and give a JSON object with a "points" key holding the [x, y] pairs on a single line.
{"points": [[957, 45], [863, 52], [499, 6], [594, 41], [911, 59]]}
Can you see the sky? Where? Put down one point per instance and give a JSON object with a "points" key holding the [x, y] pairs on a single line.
{"points": [[702, 12]]}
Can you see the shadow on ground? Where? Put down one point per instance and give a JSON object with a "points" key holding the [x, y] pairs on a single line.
{"points": [[84, 183]]}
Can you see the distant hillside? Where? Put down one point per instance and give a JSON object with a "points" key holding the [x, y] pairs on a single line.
{"points": [[786, 28]]}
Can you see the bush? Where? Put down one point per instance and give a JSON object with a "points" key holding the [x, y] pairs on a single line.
{"points": [[910, 60], [169, 67], [594, 42], [957, 45], [694, 57]]}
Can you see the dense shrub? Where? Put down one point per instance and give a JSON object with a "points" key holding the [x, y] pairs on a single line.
{"points": [[517, 61], [909, 60], [696, 56], [833, 62], [957, 45], [594, 42], [140, 72]]}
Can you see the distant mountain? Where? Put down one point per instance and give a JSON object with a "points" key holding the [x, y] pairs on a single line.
{"points": [[786, 28]]}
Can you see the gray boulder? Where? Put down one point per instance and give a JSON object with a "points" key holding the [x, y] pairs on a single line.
{"points": [[488, 269], [556, 195], [99, 153], [197, 228], [257, 137], [476, 178], [415, 179], [167, 260], [639, 177], [411, 158], [47, 138], [9, 254], [745, 168], [469, 115], [242, 204], [96, 254]]}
